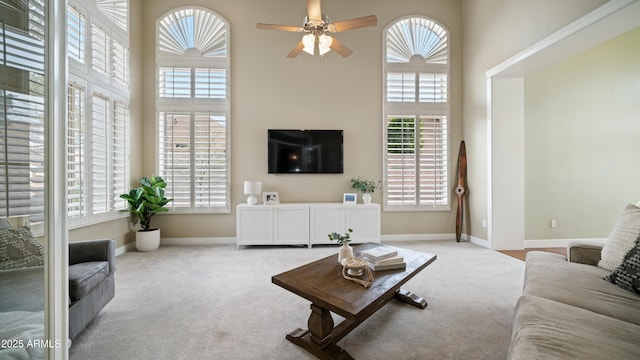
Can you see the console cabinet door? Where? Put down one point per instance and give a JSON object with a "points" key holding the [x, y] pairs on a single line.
{"points": [[291, 225], [364, 220], [254, 225], [325, 220]]}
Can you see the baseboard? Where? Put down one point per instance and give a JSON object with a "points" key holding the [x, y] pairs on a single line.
{"points": [[198, 241], [542, 243], [232, 240], [125, 248], [417, 237], [480, 242]]}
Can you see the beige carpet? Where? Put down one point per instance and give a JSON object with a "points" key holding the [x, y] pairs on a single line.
{"points": [[216, 302]]}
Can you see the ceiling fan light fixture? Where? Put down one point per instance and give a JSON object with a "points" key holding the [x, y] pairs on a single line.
{"points": [[324, 44], [309, 42]]}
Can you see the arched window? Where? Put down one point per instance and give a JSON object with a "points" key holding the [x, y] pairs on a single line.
{"points": [[416, 113], [193, 109]]}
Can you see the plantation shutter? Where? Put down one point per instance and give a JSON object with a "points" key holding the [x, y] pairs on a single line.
{"points": [[120, 64], [98, 110], [193, 110], [433, 88], [75, 35], [210, 165], [432, 175], [175, 156], [22, 162], [401, 161], [210, 83], [120, 154], [416, 110], [401, 87], [99, 155], [99, 50], [203, 170], [175, 82], [22, 116], [76, 162]]}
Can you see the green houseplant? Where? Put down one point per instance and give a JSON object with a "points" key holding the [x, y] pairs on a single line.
{"points": [[145, 201], [366, 187], [346, 251]]}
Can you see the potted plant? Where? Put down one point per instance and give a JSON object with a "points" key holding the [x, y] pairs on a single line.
{"points": [[346, 251], [366, 187], [145, 201]]}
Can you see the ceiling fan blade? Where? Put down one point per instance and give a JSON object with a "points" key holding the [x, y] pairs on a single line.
{"points": [[296, 50], [351, 24], [314, 11], [263, 26], [339, 47]]}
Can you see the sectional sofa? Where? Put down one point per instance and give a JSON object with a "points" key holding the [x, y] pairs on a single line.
{"points": [[571, 308]]}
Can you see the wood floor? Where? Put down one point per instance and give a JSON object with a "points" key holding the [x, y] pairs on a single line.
{"points": [[521, 254]]}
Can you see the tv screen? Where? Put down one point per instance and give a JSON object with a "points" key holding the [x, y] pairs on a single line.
{"points": [[305, 151]]}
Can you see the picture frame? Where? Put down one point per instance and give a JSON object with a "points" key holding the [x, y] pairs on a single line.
{"points": [[350, 198], [271, 198]]}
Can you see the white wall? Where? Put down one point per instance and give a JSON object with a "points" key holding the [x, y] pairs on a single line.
{"points": [[493, 31], [581, 144]]}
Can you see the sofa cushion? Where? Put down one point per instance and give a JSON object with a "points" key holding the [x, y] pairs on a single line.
{"points": [[545, 329], [83, 277], [550, 276], [622, 238], [627, 275], [18, 249]]}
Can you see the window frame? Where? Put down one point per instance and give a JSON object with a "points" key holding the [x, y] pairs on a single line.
{"points": [[218, 60], [411, 105], [113, 87]]}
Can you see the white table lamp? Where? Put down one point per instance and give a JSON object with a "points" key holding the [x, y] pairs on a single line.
{"points": [[252, 188]]}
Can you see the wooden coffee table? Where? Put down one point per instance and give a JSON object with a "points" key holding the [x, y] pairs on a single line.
{"points": [[321, 282]]}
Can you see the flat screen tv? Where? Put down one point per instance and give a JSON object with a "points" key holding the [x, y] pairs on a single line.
{"points": [[305, 151]]}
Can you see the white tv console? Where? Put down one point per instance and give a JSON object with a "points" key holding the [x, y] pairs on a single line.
{"points": [[305, 223]]}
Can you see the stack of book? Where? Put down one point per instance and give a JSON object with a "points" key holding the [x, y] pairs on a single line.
{"points": [[383, 258]]}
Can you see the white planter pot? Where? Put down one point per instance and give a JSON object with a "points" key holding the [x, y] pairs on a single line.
{"points": [[148, 240], [366, 199], [345, 253]]}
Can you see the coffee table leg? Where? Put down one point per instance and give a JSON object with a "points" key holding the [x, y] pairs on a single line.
{"points": [[411, 298], [320, 325], [318, 340]]}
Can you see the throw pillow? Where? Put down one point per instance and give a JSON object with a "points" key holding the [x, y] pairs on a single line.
{"points": [[627, 275], [19, 249], [621, 239]]}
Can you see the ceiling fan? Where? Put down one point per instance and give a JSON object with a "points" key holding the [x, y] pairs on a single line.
{"points": [[316, 26]]}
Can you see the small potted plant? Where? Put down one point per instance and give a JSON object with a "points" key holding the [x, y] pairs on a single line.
{"points": [[146, 201], [366, 187], [346, 251]]}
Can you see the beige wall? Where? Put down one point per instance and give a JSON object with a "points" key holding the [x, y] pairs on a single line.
{"points": [[581, 141], [271, 91], [493, 31]]}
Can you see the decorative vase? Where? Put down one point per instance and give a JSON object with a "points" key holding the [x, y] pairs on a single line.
{"points": [[366, 199], [346, 252], [148, 240]]}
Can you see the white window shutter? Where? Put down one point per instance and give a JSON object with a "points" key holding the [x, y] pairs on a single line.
{"points": [[76, 148], [100, 172], [416, 110], [193, 106]]}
